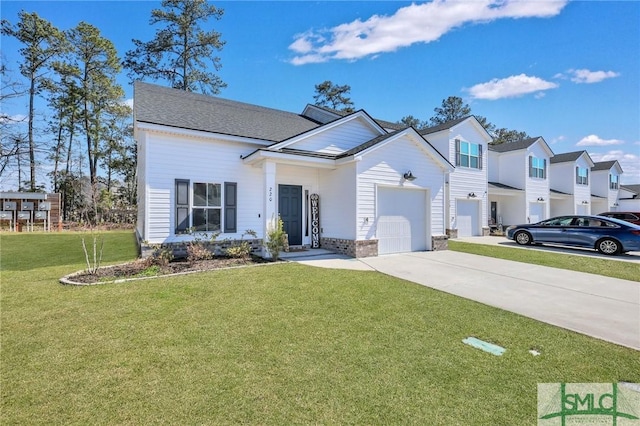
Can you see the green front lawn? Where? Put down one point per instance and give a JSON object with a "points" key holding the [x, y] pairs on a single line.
{"points": [[274, 344], [592, 265]]}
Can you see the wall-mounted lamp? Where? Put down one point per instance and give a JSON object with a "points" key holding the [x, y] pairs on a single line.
{"points": [[585, 202], [409, 176], [540, 199], [615, 204], [471, 195]]}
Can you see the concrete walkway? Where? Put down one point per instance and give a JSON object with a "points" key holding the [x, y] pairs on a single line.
{"points": [[602, 307]]}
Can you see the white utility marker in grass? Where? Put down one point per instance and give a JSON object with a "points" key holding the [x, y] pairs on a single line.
{"points": [[485, 346]]}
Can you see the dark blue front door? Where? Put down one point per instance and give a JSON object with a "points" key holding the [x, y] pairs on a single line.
{"points": [[290, 209]]}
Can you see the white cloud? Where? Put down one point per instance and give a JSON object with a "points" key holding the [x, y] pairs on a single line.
{"points": [[586, 76], [12, 119], [510, 87], [629, 162], [417, 23], [595, 140], [128, 102]]}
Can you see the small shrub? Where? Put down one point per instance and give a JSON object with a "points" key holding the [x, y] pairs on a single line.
{"points": [[161, 256], [275, 238], [196, 250], [242, 249]]}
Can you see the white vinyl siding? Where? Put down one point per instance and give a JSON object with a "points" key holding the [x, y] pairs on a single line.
{"points": [[385, 167], [197, 160], [338, 139]]}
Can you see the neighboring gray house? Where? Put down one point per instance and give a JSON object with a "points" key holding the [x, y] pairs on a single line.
{"points": [[351, 183]]}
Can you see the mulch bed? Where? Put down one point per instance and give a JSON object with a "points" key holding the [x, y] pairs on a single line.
{"points": [[141, 269]]}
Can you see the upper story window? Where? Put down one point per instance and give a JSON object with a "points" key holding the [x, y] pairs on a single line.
{"points": [[537, 167], [468, 154], [613, 181], [582, 175]]}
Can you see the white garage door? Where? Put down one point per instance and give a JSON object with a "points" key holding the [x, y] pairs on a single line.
{"points": [[402, 220], [536, 212], [468, 218]]}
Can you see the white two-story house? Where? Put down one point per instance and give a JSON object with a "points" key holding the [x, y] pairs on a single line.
{"points": [[605, 186], [519, 189], [571, 183], [464, 143]]}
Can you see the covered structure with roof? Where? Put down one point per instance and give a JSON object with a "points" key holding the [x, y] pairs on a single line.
{"points": [[348, 183]]}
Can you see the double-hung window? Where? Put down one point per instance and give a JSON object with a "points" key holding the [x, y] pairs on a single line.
{"points": [[582, 175], [613, 181], [537, 167], [468, 154], [207, 206]]}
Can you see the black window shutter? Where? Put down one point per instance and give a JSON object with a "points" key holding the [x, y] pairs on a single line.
{"points": [[457, 152], [577, 174], [587, 179], [544, 170], [182, 206], [480, 157], [230, 206], [530, 166]]}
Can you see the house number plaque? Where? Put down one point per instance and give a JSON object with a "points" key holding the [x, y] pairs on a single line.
{"points": [[315, 220]]}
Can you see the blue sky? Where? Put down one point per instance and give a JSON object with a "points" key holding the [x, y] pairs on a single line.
{"points": [[566, 71]]}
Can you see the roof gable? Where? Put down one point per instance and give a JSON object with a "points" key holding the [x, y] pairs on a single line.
{"points": [[571, 157], [330, 137], [607, 166], [450, 125], [176, 108], [522, 144]]}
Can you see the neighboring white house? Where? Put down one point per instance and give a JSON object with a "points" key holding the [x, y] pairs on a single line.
{"points": [[605, 186], [519, 190], [571, 183], [214, 165], [463, 143]]}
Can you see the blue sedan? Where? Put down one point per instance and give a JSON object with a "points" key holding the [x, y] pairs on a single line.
{"points": [[604, 234]]}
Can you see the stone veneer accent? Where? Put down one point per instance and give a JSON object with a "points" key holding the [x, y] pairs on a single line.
{"points": [[486, 231], [452, 233], [439, 242], [353, 248], [217, 247]]}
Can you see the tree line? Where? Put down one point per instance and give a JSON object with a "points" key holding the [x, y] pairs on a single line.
{"points": [[89, 126], [334, 96]]}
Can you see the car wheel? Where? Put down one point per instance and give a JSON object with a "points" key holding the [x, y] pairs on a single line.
{"points": [[523, 238], [608, 246]]}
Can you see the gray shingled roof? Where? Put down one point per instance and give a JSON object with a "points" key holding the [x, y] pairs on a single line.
{"points": [[177, 108], [633, 188], [382, 123], [603, 165], [566, 156], [513, 146], [443, 126]]}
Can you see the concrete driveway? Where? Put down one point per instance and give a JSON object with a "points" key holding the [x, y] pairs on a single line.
{"points": [[605, 308]]}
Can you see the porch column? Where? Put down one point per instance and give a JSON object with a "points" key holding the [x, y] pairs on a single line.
{"points": [[270, 201]]}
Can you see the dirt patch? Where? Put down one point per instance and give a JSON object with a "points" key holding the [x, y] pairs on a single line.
{"points": [[142, 269]]}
